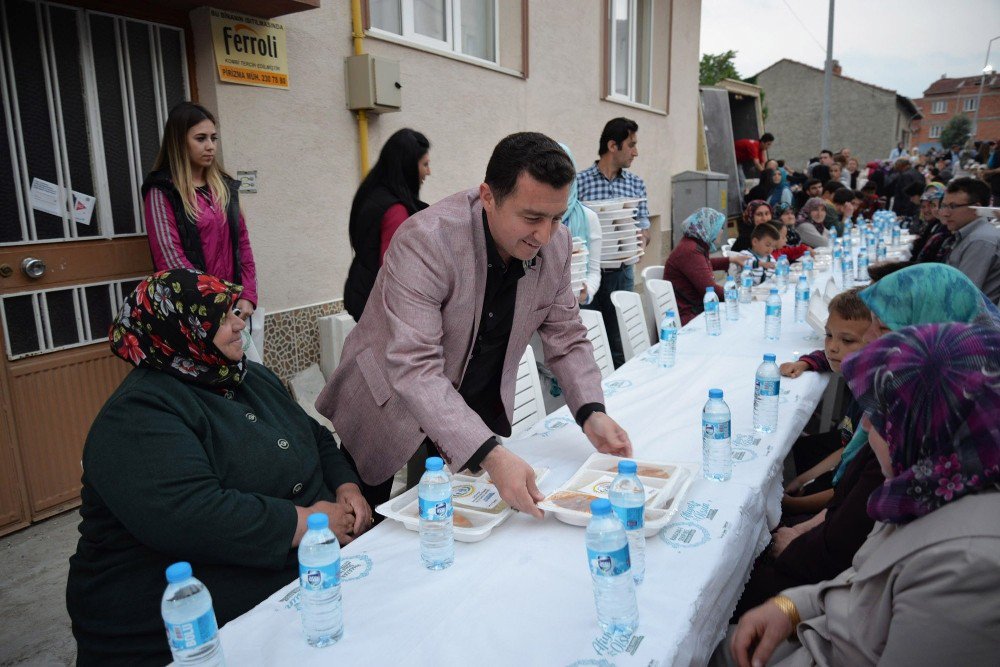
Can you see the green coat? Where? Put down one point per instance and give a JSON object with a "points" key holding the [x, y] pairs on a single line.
{"points": [[175, 471]]}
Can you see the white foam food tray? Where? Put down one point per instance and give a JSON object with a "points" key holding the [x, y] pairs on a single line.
{"points": [[666, 485], [618, 214], [601, 205], [468, 492]]}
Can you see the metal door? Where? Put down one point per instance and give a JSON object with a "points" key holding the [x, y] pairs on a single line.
{"points": [[84, 99]]}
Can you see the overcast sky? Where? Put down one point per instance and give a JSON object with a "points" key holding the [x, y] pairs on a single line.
{"points": [[903, 45]]}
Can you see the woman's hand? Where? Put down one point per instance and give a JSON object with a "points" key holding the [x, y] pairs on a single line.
{"points": [[340, 515], [781, 538], [793, 369], [350, 494], [583, 295], [760, 631], [245, 308], [737, 258]]}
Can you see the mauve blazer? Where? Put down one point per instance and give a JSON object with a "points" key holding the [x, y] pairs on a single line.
{"points": [[402, 364]]}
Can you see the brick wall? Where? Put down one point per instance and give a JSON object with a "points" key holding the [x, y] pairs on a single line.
{"points": [[989, 113]]}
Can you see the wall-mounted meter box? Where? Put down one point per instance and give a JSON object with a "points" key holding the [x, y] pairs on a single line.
{"points": [[373, 84]]}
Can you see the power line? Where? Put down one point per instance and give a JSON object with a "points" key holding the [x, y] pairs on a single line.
{"points": [[818, 43]]}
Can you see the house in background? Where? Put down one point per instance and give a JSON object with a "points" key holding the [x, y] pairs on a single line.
{"points": [[946, 98], [86, 86], [866, 118]]}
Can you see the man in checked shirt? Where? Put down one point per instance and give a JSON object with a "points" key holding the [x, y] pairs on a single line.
{"points": [[609, 178]]}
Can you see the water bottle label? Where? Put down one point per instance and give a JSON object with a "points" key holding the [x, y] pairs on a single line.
{"points": [[319, 578], [185, 636], [772, 311], [435, 510], [711, 306], [631, 517], [668, 334], [604, 564], [716, 430], [767, 387], [805, 295]]}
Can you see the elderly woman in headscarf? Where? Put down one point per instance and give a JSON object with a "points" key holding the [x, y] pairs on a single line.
{"points": [[921, 589], [809, 223], [201, 456], [689, 267], [583, 224], [757, 212]]}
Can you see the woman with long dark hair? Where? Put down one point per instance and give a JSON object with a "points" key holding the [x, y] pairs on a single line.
{"points": [[192, 206], [387, 196]]}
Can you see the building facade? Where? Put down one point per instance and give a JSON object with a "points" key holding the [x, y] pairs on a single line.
{"points": [[949, 97], [86, 88], [868, 119]]}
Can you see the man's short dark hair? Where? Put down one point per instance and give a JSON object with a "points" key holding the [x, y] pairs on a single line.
{"points": [[811, 182], [530, 152], [616, 130], [766, 137], [978, 191], [869, 187], [826, 151], [832, 186], [765, 230], [781, 163], [843, 195]]}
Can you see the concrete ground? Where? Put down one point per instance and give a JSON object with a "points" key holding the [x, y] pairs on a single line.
{"points": [[34, 625]]}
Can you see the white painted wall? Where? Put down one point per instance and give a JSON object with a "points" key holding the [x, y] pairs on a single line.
{"points": [[304, 143]]}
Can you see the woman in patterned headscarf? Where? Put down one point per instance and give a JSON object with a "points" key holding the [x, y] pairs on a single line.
{"points": [[199, 455], [757, 212], [920, 590], [809, 223]]}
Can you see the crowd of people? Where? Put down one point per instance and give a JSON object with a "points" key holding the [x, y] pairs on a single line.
{"points": [[202, 455]]}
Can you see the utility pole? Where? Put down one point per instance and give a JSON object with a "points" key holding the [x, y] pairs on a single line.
{"points": [[824, 134]]}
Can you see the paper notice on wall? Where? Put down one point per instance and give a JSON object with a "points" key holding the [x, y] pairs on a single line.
{"points": [[49, 198]]}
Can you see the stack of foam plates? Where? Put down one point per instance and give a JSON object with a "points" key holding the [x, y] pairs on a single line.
{"points": [[578, 264], [621, 242]]}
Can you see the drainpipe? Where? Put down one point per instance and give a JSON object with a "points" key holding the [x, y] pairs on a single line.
{"points": [[358, 33]]}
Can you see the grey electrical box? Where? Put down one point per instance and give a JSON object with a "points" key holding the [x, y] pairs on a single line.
{"points": [[372, 84], [693, 190]]}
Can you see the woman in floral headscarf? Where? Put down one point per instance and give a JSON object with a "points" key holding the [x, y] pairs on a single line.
{"points": [[199, 455], [809, 223], [689, 267], [921, 590], [756, 213]]}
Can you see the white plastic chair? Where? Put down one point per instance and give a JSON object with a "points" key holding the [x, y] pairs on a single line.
{"points": [[333, 330], [659, 299], [529, 407], [598, 337], [652, 272], [631, 323]]}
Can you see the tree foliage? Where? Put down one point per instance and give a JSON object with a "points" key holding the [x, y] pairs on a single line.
{"points": [[956, 131], [714, 67]]}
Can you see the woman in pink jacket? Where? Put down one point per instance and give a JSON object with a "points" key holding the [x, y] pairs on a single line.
{"points": [[192, 207]]}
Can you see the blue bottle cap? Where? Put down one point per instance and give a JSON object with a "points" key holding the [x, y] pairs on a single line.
{"points": [[435, 463], [709, 289], [671, 313], [715, 393], [600, 507], [802, 279], [774, 290], [770, 357], [317, 521], [626, 467], [178, 572]]}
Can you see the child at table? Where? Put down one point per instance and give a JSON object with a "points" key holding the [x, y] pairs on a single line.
{"points": [[763, 240], [817, 456], [792, 252]]}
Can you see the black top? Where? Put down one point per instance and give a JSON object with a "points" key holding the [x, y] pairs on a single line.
{"points": [[174, 471]]}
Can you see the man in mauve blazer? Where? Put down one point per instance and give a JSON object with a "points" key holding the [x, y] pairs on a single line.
{"points": [[403, 375]]}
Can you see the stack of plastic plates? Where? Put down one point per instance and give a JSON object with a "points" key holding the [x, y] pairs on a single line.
{"points": [[578, 264], [621, 242]]}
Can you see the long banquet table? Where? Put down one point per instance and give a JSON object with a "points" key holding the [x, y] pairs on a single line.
{"points": [[523, 595]]}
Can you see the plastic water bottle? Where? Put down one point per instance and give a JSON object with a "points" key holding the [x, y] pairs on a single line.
{"points": [[712, 321], [716, 438], [732, 295], [802, 299], [187, 612], [833, 235], [437, 542], [667, 353], [838, 264], [808, 264], [772, 316], [319, 583], [847, 280], [628, 500], [746, 287], [863, 268], [896, 235], [781, 273], [610, 570], [881, 252], [766, 393]]}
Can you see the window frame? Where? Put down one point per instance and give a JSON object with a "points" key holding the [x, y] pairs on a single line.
{"points": [[935, 132], [453, 30], [969, 105], [612, 93], [940, 106]]}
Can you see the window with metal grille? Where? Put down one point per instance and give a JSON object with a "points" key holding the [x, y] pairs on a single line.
{"points": [[61, 317], [85, 96]]}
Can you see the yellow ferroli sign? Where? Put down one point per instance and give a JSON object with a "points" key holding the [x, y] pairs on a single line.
{"points": [[249, 50]]}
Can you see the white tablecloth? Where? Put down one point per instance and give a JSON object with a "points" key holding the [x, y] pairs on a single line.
{"points": [[523, 595]]}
